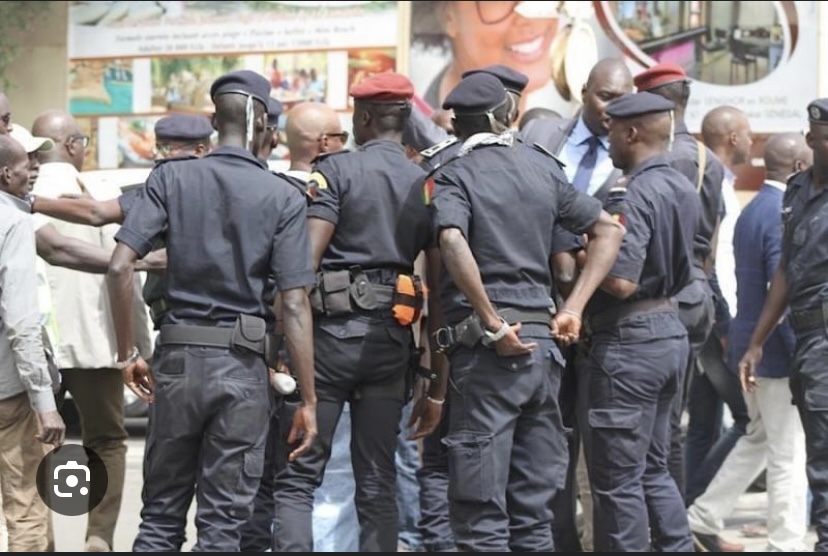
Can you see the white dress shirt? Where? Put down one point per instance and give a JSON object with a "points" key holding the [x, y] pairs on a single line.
{"points": [[725, 260], [576, 147]]}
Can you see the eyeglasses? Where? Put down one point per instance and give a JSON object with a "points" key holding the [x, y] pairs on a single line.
{"points": [[491, 13], [84, 139], [342, 135]]}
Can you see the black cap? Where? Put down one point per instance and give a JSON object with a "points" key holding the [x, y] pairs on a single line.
{"points": [[421, 133], [243, 82], [476, 94], [638, 104], [818, 111], [183, 127], [512, 79], [274, 110]]}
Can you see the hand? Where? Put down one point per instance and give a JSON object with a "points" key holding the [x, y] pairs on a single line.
{"points": [[303, 429], [566, 327], [138, 377], [425, 414], [747, 368], [510, 344], [52, 428]]}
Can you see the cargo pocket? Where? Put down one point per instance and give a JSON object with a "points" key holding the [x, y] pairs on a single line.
{"points": [[617, 446], [471, 467], [250, 476]]}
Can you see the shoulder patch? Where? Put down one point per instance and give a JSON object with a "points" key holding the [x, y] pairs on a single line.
{"points": [[323, 156], [318, 180], [434, 149], [540, 148], [428, 190]]}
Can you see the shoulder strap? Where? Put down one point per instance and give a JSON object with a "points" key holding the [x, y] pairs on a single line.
{"points": [[702, 164]]}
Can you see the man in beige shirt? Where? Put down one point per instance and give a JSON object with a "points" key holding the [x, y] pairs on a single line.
{"points": [[86, 346]]}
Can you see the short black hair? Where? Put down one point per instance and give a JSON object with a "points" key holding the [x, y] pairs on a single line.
{"points": [[231, 112], [677, 91], [388, 117]]}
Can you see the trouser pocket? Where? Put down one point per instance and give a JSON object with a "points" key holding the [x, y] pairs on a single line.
{"points": [[471, 467]]}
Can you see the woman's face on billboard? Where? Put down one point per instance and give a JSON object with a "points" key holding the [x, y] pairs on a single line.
{"points": [[493, 32]]}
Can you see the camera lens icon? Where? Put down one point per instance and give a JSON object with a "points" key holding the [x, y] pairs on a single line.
{"points": [[70, 473], [72, 480]]}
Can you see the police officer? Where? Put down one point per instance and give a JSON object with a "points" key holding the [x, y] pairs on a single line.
{"points": [[801, 284], [637, 344], [494, 208], [270, 139], [514, 82], [367, 226], [705, 171], [230, 224]]}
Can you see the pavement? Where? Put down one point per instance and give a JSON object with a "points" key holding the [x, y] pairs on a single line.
{"points": [[70, 531]]}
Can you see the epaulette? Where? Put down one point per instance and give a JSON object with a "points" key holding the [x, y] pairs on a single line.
{"points": [[442, 145], [300, 185], [540, 148], [322, 156]]}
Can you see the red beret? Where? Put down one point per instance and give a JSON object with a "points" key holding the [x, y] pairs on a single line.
{"points": [[659, 75], [384, 87]]}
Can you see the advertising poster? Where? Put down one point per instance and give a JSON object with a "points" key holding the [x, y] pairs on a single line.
{"points": [[746, 54], [133, 62]]}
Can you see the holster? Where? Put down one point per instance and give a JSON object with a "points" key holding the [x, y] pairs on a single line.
{"points": [[249, 334], [332, 295]]}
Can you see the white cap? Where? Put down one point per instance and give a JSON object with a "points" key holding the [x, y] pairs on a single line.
{"points": [[29, 142]]}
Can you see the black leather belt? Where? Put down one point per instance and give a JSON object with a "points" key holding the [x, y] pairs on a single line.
{"points": [[469, 331], [250, 337], [810, 319], [610, 317]]}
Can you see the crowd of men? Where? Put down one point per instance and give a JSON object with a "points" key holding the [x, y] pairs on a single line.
{"points": [[541, 308]]}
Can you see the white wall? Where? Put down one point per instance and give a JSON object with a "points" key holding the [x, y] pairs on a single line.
{"points": [[757, 14]]}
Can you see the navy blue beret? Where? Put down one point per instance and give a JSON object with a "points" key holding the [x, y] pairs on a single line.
{"points": [[818, 111], [183, 127], [244, 82], [638, 104], [476, 94], [512, 79], [274, 110]]}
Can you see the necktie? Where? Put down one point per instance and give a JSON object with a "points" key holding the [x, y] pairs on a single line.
{"points": [[583, 174]]}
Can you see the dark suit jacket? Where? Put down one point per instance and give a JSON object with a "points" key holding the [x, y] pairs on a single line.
{"points": [[552, 135]]}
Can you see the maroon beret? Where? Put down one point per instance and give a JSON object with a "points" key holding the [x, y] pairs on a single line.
{"points": [[658, 75], [383, 87]]}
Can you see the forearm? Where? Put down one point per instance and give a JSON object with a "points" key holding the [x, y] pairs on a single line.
{"points": [[30, 361], [72, 253], [119, 281], [78, 211], [601, 253], [155, 261], [775, 306], [438, 363], [298, 326], [465, 273]]}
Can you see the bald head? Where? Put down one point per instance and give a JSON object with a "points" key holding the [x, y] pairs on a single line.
{"points": [[312, 128], [609, 79], [5, 115], [61, 128], [726, 132], [14, 167], [786, 154]]}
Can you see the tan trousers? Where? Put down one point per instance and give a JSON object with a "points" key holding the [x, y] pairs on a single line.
{"points": [[27, 518], [99, 397]]}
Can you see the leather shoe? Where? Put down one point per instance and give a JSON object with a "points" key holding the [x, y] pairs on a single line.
{"points": [[714, 543]]}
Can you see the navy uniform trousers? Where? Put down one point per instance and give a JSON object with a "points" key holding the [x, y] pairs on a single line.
{"points": [[809, 385], [632, 373], [364, 361], [506, 446], [433, 476], [205, 437]]}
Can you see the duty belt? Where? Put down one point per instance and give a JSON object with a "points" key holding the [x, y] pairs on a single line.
{"points": [[469, 331], [247, 335], [809, 319], [609, 318]]}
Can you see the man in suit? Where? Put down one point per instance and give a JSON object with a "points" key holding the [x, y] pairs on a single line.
{"points": [[774, 437], [581, 143]]}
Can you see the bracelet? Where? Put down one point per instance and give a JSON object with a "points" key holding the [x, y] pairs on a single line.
{"points": [[435, 402], [133, 357], [501, 332], [572, 313]]}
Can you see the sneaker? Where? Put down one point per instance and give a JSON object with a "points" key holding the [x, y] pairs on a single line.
{"points": [[97, 544], [714, 543]]}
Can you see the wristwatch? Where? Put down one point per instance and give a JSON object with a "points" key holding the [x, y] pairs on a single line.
{"points": [[133, 357], [501, 332]]}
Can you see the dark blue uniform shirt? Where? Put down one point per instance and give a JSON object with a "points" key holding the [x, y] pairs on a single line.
{"points": [[804, 245], [230, 224], [371, 195], [506, 201], [684, 157], [659, 210]]}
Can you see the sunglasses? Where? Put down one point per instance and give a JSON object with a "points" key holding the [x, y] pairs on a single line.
{"points": [[343, 136], [84, 139]]}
